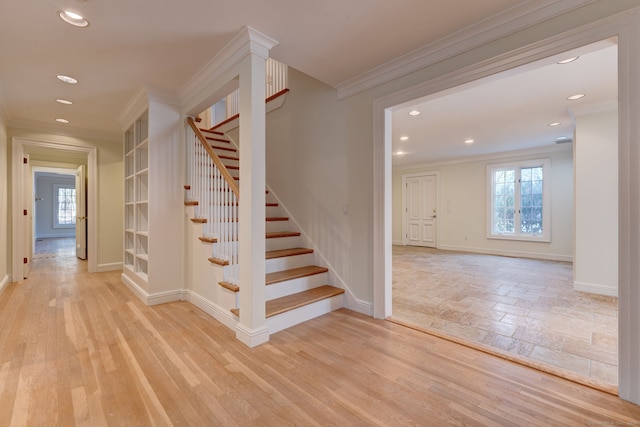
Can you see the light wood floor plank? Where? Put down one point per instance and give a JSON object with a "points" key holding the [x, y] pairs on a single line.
{"points": [[80, 349]]}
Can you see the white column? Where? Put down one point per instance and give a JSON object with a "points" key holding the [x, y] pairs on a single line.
{"points": [[252, 329]]}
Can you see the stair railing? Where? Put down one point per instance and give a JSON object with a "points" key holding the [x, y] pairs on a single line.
{"points": [[212, 186], [276, 80]]}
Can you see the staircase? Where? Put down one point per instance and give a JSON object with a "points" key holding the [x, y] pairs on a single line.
{"points": [[296, 288]]}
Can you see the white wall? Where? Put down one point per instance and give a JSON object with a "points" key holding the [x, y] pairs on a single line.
{"points": [[462, 206], [596, 202], [5, 243], [110, 190], [45, 206]]}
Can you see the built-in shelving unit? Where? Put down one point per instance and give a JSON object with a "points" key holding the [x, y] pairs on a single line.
{"points": [[136, 197]]}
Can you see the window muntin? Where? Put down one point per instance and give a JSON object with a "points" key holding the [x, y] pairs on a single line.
{"points": [[519, 206], [65, 207]]}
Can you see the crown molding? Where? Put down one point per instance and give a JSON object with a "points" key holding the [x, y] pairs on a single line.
{"points": [[67, 131], [246, 41], [486, 157], [485, 31]]}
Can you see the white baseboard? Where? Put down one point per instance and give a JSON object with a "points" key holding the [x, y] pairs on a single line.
{"points": [[252, 337], [5, 281], [152, 299], [397, 242], [214, 310], [595, 289], [515, 254], [358, 305], [100, 268], [137, 290]]}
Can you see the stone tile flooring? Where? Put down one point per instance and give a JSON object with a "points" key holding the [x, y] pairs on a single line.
{"points": [[522, 306], [55, 247]]}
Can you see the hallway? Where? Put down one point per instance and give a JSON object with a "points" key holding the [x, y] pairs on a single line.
{"points": [[80, 349]]}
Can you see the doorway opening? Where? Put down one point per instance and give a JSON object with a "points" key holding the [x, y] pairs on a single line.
{"points": [[59, 211], [517, 293], [51, 157]]}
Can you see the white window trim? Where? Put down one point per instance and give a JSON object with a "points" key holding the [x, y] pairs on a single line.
{"points": [[546, 200], [57, 204]]}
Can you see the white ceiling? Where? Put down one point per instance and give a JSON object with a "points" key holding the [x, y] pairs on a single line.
{"points": [[162, 44], [507, 112]]}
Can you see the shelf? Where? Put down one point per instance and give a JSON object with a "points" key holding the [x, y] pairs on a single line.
{"points": [[136, 196]]}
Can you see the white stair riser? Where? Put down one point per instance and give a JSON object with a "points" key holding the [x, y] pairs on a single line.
{"points": [[302, 314], [283, 243], [294, 286], [288, 262], [273, 226]]}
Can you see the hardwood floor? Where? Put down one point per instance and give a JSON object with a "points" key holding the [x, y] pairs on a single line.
{"points": [[80, 349], [524, 307]]}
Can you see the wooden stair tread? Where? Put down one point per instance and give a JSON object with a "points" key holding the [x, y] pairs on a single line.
{"points": [[225, 157], [216, 147], [217, 261], [277, 234], [191, 203], [294, 273], [277, 218], [199, 220], [214, 132], [230, 286], [288, 252], [218, 139], [291, 302], [208, 239]]}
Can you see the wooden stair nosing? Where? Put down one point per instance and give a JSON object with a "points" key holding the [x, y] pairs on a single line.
{"points": [[278, 234], [225, 157], [215, 132], [199, 220], [213, 138], [277, 218], [187, 187], [291, 302], [282, 253], [294, 273], [215, 147], [230, 286], [208, 239], [220, 262], [191, 203]]}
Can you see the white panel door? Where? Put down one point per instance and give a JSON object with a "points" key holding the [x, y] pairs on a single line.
{"points": [[81, 214], [421, 210]]}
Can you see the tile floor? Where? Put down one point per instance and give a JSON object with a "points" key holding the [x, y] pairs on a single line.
{"points": [[522, 306], [55, 247]]}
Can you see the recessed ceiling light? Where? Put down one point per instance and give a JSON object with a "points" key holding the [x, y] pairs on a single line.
{"points": [[67, 79], [404, 138], [399, 153], [469, 141], [414, 113], [554, 124], [64, 101], [568, 60], [73, 18], [62, 120], [561, 138], [576, 96]]}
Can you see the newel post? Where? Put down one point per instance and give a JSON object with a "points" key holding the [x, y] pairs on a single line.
{"points": [[252, 329]]}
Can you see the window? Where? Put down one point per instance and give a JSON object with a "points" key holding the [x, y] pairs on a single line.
{"points": [[519, 200], [65, 206]]}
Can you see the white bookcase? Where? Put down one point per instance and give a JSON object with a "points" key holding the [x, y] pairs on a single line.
{"points": [[136, 197], [154, 200]]}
